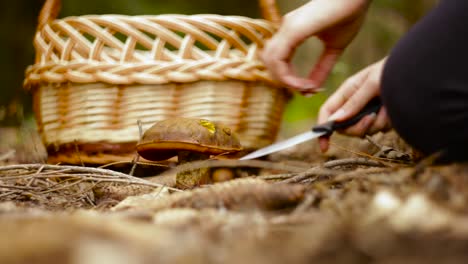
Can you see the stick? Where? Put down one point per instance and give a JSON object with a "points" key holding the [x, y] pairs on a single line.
{"points": [[78, 152], [353, 162], [101, 173], [8, 193], [312, 172], [232, 163], [7, 155], [137, 156], [426, 162], [49, 190], [16, 187], [354, 174], [373, 142], [139, 163], [277, 176], [302, 207], [61, 167]]}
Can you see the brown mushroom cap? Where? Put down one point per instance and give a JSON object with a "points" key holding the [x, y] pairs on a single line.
{"points": [[166, 138]]}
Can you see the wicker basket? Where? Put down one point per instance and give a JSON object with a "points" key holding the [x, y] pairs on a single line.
{"points": [[96, 76]]}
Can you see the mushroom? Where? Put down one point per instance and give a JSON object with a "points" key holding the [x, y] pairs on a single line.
{"points": [[190, 140], [222, 174]]}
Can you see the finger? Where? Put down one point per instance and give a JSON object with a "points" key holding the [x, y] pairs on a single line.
{"points": [[381, 122], [341, 95], [361, 127], [284, 72], [368, 90], [276, 56], [324, 65], [324, 143]]}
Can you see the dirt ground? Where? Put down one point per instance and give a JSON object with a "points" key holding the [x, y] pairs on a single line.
{"points": [[367, 201]]}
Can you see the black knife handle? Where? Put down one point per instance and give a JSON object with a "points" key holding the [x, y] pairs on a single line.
{"points": [[372, 107]]}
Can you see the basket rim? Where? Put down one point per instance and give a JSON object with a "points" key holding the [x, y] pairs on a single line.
{"points": [[104, 59], [181, 15], [44, 74], [51, 10]]}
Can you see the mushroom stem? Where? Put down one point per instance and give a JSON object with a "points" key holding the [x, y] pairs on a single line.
{"points": [[192, 178]]}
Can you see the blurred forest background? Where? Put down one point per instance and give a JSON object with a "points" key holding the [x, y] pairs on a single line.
{"points": [[386, 22]]}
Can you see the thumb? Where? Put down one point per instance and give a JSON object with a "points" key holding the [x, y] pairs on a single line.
{"points": [[324, 65]]}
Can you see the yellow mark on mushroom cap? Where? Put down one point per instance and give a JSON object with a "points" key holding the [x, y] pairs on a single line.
{"points": [[208, 125]]}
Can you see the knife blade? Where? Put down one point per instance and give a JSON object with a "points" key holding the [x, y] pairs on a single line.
{"points": [[327, 128]]}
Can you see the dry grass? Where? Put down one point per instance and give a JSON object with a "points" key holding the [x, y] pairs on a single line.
{"points": [[355, 208]]}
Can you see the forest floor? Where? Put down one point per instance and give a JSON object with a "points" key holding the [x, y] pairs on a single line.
{"points": [[366, 201]]}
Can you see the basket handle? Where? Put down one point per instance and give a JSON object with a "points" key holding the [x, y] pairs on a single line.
{"points": [[270, 10], [51, 9], [49, 12]]}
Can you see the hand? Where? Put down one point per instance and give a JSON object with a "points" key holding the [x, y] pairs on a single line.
{"points": [[350, 98], [334, 22]]}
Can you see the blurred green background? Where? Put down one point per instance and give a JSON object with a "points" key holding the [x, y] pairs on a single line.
{"points": [[386, 22]]}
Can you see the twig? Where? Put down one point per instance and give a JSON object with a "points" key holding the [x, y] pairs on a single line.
{"points": [[353, 162], [89, 200], [302, 207], [236, 194], [373, 142], [426, 162], [7, 155], [108, 174], [353, 152], [276, 176], [312, 172], [35, 175], [137, 156], [78, 152], [39, 170], [8, 193], [30, 181], [15, 187], [139, 163], [49, 190], [61, 167], [93, 185], [358, 173], [366, 155], [232, 163], [159, 192], [144, 183]]}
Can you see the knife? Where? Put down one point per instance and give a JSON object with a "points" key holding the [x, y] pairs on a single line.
{"points": [[317, 131]]}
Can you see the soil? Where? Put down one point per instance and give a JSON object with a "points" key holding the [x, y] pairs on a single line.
{"points": [[369, 200]]}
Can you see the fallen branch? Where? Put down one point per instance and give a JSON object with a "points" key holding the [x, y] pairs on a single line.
{"points": [[302, 207], [136, 158], [131, 162], [89, 174], [277, 176], [347, 176], [315, 172], [7, 155], [41, 167], [69, 186], [353, 162], [322, 171], [233, 195], [232, 163]]}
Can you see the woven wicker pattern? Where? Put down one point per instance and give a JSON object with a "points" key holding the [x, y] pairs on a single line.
{"points": [[81, 112], [154, 50], [96, 76]]}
